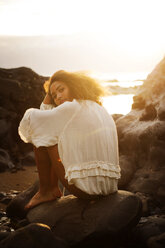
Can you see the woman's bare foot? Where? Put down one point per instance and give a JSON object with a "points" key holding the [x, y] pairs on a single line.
{"points": [[39, 198]]}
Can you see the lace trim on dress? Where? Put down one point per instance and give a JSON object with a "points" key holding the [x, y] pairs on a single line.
{"points": [[94, 168]]}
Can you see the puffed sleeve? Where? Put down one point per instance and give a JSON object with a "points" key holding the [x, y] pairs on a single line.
{"points": [[43, 128]]}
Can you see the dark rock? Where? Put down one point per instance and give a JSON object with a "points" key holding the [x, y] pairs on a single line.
{"points": [[161, 109], [18, 224], [5, 224], [139, 102], [16, 206], [75, 220], [142, 140], [32, 236], [4, 228], [145, 203], [157, 241], [2, 214], [150, 183], [127, 170], [149, 114], [161, 114], [6, 200], [149, 230], [15, 209], [7, 197], [28, 159], [78, 217], [2, 195], [5, 162], [3, 235], [20, 89], [116, 116]]}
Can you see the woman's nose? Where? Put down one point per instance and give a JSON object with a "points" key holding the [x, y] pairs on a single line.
{"points": [[59, 96]]}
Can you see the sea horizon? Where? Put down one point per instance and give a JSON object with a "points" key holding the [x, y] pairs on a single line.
{"points": [[107, 77]]}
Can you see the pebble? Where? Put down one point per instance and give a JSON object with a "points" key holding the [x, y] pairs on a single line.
{"points": [[15, 192], [3, 219], [2, 195], [5, 225], [2, 214], [5, 198]]}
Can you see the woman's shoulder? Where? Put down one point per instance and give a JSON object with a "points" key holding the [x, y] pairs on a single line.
{"points": [[66, 107], [90, 104], [69, 104]]}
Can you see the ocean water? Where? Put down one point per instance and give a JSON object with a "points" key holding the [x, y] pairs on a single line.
{"points": [[122, 87], [117, 102]]}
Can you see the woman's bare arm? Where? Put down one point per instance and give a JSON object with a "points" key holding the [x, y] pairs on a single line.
{"points": [[47, 99]]}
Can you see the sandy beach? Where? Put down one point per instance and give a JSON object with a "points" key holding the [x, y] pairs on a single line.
{"points": [[19, 181]]}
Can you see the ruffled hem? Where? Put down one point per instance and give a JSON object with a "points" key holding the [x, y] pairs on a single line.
{"points": [[94, 168]]}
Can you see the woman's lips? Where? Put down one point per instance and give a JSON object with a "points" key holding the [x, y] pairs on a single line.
{"points": [[62, 101]]}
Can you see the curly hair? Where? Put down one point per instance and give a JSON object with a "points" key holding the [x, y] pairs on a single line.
{"points": [[81, 86]]}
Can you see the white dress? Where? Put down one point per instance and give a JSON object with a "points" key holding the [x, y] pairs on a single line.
{"points": [[87, 142]]}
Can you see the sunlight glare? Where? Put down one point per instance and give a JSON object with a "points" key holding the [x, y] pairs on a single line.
{"points": [[118, 104]]}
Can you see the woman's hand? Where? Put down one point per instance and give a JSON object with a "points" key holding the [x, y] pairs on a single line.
{"points": [[48, 99]]}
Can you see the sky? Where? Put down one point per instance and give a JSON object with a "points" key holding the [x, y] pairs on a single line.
{"points": [[114, 37]]}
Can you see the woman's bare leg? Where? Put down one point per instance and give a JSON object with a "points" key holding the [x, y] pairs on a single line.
{"points": [[60, 172], [50, 169], [48, 179]]}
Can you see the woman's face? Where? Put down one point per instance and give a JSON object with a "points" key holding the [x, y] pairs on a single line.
{"points": [[60, 92]]}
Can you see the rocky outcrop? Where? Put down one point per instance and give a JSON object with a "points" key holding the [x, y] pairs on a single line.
{"points": [[87, 222], [20, 88], [32, 236], [142, 159], [16, 208], [151, 232], [142, 141], [84, 223]]}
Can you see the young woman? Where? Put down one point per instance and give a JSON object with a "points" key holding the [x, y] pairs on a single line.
{"points": [[75, 140]]}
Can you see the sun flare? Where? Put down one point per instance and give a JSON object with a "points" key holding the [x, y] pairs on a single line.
{"points": [[118, 104]]}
